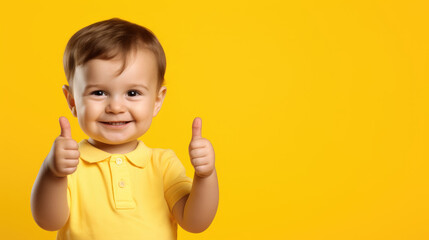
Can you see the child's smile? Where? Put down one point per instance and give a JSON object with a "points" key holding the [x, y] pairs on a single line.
{"points": [[116, 110], [116, 125]]}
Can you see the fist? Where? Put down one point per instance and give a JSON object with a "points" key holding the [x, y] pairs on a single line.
{"points": [[201, 151], [64, 155]]}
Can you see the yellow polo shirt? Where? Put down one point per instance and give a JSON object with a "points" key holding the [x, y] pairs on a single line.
{"points": [[124, 196]]}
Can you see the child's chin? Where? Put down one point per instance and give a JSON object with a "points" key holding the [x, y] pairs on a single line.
{"points": [[113, 140]]}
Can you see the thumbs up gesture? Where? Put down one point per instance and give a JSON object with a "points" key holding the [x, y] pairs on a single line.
{"points": [[64, 155], [201, 151]]}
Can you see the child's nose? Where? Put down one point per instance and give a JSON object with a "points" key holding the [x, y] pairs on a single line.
{"points": [[115, 105]]}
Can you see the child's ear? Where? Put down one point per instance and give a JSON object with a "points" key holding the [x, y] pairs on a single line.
{"points": [[159, 100], [70, 100]]}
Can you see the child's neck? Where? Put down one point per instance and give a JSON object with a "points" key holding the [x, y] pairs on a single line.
{"points": [[115, 148]]}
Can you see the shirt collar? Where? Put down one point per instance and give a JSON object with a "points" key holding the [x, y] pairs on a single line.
{"points": [[137, 157]]}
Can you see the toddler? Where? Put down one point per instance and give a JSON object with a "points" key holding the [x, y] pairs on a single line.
{"points": [[111, 185]]}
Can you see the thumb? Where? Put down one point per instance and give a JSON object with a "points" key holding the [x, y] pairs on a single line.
{"points": [[196, 128], [65, 128]]}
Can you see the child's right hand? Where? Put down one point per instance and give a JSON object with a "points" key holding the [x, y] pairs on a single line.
{"points": [[64, 155]]}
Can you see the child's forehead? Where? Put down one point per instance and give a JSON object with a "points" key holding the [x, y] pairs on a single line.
{"points": [[140, 66]]}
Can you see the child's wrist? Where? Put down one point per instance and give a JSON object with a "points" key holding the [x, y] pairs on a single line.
{"points": [[51, 173], [206, 176]]}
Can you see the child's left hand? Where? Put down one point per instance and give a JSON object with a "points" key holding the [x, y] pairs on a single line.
{"points": [[201, 151]]}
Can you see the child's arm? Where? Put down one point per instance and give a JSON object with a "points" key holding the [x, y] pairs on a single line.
{"points": [[49, 194], [196, 211]]}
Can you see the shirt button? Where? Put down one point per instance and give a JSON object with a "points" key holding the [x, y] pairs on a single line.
{"points": [[119, 161], [121, 184]]}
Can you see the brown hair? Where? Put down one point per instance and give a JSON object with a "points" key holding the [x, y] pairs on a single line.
{"points": [[107, 39]]}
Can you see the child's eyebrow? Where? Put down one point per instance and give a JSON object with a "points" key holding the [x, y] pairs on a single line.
{"points": [[130, 86], [139, 85], [91, 86]]}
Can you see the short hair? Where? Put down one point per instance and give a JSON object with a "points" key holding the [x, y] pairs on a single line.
{"points": [[107, 39]]}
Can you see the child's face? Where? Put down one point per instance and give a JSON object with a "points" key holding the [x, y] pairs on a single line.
{"points": [[114, 109]]}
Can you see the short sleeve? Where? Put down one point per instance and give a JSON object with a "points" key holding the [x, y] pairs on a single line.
{"points": [[176, 183]]}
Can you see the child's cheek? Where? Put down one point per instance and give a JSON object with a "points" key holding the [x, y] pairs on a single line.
{"points": [[141, 109], [91, 110]]}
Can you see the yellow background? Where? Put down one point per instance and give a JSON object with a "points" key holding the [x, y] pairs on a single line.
{"points": [[318, 110]]}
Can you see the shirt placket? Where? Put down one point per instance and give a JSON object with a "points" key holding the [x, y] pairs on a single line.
{"points": [[121, 182]]}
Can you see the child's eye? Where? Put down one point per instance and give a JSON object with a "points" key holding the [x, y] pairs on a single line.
{"points": [[98, 93], [133, 93]]}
